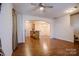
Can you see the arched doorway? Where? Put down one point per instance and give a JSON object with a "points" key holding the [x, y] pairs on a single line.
{"points": [[41, 26]]}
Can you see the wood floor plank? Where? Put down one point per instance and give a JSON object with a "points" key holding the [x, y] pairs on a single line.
{"points": [[46, 47]]}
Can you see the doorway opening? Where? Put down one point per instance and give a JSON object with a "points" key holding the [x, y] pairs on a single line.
{"points": [[42, 28]]}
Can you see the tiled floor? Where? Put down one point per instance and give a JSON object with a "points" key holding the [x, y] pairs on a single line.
{"points": [[46, 47]]}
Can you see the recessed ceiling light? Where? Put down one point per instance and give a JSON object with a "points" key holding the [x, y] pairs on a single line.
{"points": [[70, 10]]}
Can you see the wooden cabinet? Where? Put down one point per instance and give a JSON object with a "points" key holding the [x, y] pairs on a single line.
{"points": [[34, 34]]}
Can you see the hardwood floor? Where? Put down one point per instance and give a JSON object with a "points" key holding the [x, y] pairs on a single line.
{"points": [[46, 47]]}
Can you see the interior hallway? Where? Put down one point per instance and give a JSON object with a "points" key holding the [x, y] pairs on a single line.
{"points": [[46, 46]]}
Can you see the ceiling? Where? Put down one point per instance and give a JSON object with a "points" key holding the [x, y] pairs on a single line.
{"points": [[57, 10]]}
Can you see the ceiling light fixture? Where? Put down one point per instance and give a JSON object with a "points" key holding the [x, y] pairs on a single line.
{"points": [[41, 8], [70, 10]]}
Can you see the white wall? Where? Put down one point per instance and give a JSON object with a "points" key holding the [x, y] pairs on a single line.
{"points": [[63, 29], [21, 25], [27, 28], [20, 29], [6, 28], [75, 22]]}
